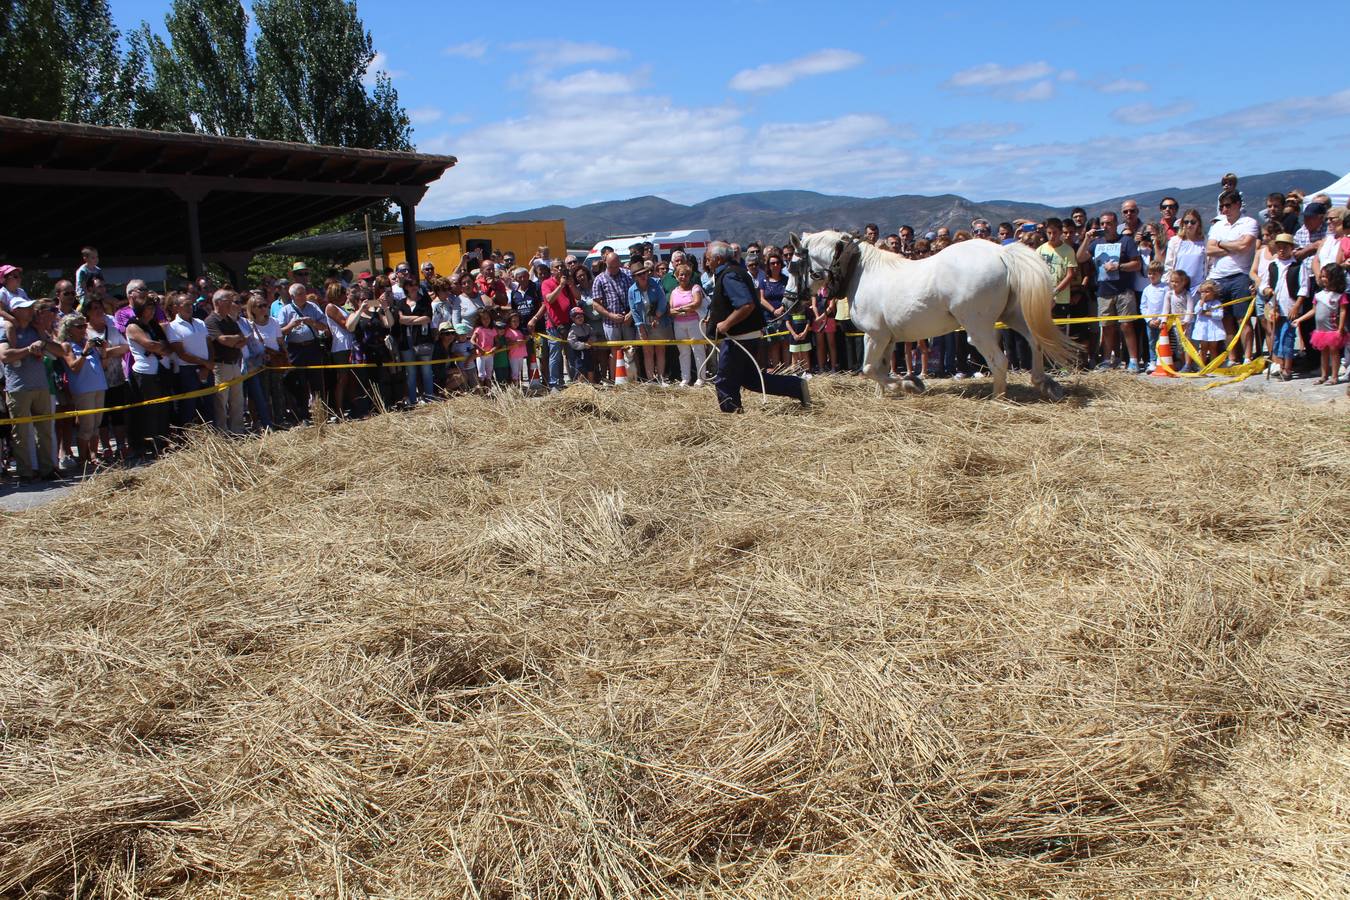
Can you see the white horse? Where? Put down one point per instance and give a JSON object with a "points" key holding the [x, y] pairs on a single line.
{"points": [[970, 285]]}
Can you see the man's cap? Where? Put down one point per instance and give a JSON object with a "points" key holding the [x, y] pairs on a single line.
{"points": [[363, 276], [1028, 226], [752, 256], [22, 302], [8, 270], [577, 311], [299, 267], [447, 328], [1284, 239], [1315, 209], [930, 235], [640, 268]]}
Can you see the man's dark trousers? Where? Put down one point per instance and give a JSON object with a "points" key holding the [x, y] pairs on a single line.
{"points": [[736, 370]]}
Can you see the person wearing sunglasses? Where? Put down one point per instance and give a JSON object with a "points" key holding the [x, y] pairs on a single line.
{"points": [[1168, 208], [1231, 247]]}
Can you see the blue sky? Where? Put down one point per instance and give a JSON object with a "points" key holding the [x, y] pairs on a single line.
{"points": [[547, 103]]}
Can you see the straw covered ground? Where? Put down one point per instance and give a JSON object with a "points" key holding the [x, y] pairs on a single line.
{"points": [[615, 644]]}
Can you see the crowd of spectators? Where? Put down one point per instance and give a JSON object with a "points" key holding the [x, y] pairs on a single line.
{"points": [[274, 356]]}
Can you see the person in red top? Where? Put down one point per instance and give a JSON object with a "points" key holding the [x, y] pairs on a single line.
{"points": [[560, 295], [491, 286]]}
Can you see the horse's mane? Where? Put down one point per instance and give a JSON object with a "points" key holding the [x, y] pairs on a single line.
{"points": [[866, 250]]}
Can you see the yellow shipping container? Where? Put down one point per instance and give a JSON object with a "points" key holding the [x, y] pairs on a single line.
{"points": [[446, 244]]}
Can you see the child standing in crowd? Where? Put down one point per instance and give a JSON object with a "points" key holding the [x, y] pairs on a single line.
{"points": [[1207, 325], [484, 339], [1328, 313], [86, 272], [463, 352], [824, 327], [1283, 286], [799, 340], [1153, 307], [517, 349], [579, 337], [1179, 303]]}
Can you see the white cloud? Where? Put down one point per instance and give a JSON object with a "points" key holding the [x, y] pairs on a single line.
{"points": [[977, 131], [425, 115], [1041, 90], [1146, 113], [562, 54], [379, 63], [467, 50], [1281, 114], [1124, 86], [588, 84], [993, 75], [649, 145], [646, 144], [773, 76]]}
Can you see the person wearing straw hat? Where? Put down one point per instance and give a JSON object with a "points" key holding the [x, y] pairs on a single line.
{"points": [[647, 303]]}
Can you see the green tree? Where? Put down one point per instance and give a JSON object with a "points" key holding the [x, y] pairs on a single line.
{"points": [[97, 77], [312, 57], [205, 71], [62, 60]]}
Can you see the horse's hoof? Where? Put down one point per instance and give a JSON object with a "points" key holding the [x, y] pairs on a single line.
{"points": [[913, 385], [1051, 390]]}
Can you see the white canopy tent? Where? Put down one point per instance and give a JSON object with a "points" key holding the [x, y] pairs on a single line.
{"points": [[1338, 192]]}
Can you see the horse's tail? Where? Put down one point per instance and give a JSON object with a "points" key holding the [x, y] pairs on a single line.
{"points": [[1033, 288]]}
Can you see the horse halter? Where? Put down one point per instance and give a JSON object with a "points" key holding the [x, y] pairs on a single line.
{"points": [[801, 276]]}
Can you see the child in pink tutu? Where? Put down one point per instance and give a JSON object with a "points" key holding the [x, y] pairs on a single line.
{"points": [[1329, 309]]}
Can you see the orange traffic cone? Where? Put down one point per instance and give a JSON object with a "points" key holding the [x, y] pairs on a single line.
{"points": [[1164, 367], [621, 367]]}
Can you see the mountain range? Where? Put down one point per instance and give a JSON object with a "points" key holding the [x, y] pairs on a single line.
{"points": [[770, 215]]}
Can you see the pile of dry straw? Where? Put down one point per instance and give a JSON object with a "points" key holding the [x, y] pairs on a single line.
{"points": [[616, 644]]}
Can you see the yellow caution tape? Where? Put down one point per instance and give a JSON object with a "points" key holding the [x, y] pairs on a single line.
{"points": [[216, 389], [1214, 367]]}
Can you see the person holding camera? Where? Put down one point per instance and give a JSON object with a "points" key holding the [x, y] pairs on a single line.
{"points": [[373, 324], [560, 296], [82, 357], [416, 341], [1115, 257]]}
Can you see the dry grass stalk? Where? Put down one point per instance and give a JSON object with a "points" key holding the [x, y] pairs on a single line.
{"points": [[613, 644]]}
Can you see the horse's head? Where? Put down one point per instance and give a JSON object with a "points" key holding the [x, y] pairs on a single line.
{"points": [[828, 257], [803, 275]]}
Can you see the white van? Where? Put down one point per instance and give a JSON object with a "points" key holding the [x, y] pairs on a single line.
{"points": [[693, 241]]}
